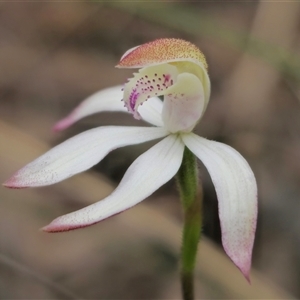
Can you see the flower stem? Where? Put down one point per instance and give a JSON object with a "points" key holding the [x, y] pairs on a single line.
{"points": [[191, 198]]}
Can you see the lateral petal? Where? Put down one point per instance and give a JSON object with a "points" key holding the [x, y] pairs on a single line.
{"points": [[236, 190], [146, 174], [80, 153], [109, 99]]}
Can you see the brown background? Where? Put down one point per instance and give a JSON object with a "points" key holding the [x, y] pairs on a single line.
{"points": [[54, 54]]}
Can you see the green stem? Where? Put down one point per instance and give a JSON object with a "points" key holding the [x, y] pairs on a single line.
{"points": [[191, 197]]}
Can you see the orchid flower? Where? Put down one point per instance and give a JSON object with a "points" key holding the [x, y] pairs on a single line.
{"points": [[176, 70]]}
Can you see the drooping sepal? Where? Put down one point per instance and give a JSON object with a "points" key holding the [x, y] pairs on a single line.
{"points": [[146, 174], [236, 190], [80, 153]]}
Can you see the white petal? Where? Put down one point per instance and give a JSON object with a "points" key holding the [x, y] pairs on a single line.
{"points": [[151, 110], [109, 99], [146, 174], [183, 103], [236, 190], [79, 154]]}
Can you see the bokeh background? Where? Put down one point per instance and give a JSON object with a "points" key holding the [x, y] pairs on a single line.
{"points": [[55, 54]]}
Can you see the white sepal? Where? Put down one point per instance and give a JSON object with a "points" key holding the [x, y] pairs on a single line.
{"points": [[146, 174], [236, 190], [80, 153]]}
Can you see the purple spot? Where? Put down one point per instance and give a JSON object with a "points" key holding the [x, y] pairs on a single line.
{"points": [[167, 78], [132, 98]]}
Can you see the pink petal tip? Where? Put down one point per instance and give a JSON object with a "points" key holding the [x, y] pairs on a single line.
{"points": [[63, 124], [54, 226], [244, 265], [13, 183]]}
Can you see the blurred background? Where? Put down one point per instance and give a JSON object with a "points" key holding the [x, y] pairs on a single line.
{"points": [[55, 54]]}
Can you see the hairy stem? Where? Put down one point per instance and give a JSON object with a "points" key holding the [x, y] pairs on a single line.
{"points": [[191, 198]]}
